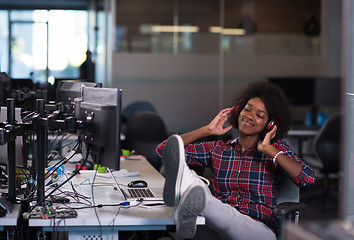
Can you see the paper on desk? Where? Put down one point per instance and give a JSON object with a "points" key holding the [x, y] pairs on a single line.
{"points": [[119, 174], [76, 158]]}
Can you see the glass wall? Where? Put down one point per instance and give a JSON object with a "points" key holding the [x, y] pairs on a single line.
{"points": [[67, 42], [44, 44], [223, 45], [4, 43], [248, 27], [28, 33], [347, 164]]}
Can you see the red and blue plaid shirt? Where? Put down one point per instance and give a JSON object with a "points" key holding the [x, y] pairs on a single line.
{"points": [[249, 180]]}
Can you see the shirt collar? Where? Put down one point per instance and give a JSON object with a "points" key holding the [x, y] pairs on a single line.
{"points": [[236, 145]]}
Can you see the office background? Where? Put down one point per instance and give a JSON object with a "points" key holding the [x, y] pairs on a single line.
{"points": [[196, 72], [189, 76], [198, 83]]}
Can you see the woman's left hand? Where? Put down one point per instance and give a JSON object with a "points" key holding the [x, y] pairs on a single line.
{"points": [[264, 145], [292, 167]]}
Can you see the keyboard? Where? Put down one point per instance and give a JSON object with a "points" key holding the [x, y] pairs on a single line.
{"points": [[140, 192]]}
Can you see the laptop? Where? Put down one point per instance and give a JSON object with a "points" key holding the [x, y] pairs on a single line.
{"points": [[138, 194]]}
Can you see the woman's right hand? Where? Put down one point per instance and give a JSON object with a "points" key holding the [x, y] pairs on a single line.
{"points": [[216, 126]]}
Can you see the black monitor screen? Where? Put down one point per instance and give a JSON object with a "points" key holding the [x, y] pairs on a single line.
{"points": [[310, 91], [102, 108], [328, 91], [19, 142], [5, 85], [22, 83], [299, 90]]}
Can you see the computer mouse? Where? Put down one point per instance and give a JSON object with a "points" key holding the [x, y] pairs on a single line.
{"points": [[137, 184]]}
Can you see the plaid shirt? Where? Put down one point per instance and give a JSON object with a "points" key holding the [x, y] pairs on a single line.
{"points": [[248, 181]]}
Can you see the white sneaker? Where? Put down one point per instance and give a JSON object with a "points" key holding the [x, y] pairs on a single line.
{"points": [[178, 175], [189, 208]]}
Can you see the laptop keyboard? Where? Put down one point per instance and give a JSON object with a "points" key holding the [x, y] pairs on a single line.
{"points": [[140, 192]]}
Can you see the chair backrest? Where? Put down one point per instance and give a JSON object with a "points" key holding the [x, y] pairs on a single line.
{"points": [[143, 132], [326, 144], [288, 192], [135, 107]]}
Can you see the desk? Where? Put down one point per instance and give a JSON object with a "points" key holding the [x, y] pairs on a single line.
{"points": [[10, 220], [131, 219], [301, 135]]}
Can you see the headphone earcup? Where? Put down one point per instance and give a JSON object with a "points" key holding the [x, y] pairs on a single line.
{"points": [[270, 126]]}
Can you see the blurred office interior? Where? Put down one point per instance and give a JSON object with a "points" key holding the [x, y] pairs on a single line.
{"points": [[174, 50], [189, 58]]}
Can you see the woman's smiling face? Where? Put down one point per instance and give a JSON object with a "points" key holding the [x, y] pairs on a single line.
{"points": [[253, 117]]}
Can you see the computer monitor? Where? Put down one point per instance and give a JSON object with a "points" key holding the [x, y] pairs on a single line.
{"points": [[5, 84], [68, 90], [22, 83], [102, 108], [327, 92], [310, 91], [299, 90], [19, 143], [312, 94]]}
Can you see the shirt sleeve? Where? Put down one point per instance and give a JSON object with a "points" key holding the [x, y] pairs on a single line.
{"points": [[196, 154], [306, 177], [199, 153]]}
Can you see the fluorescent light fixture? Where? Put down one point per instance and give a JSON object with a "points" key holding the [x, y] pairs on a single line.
{"points": [[166, 28], [227, 31]]}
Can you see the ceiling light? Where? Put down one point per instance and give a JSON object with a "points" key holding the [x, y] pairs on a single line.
{"points": [[227, 31], [165, 28]]}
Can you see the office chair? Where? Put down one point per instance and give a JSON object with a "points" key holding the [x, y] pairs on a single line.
{"points": [[326, 147], [288, 206], [325, 157], [135, 107], [143, 132]]}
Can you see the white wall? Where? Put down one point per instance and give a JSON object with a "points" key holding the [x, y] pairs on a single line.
{"points": [[184, 88]]}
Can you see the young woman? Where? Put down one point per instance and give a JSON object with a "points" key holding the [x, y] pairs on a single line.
{"points": [[247, 171]]}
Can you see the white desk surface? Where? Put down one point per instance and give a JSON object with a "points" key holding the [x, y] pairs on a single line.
{"points": [[135, 218], [10, 219]]}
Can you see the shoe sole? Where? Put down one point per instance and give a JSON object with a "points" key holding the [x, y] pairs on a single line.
{"points": [[171, 159], [189, 208]]}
